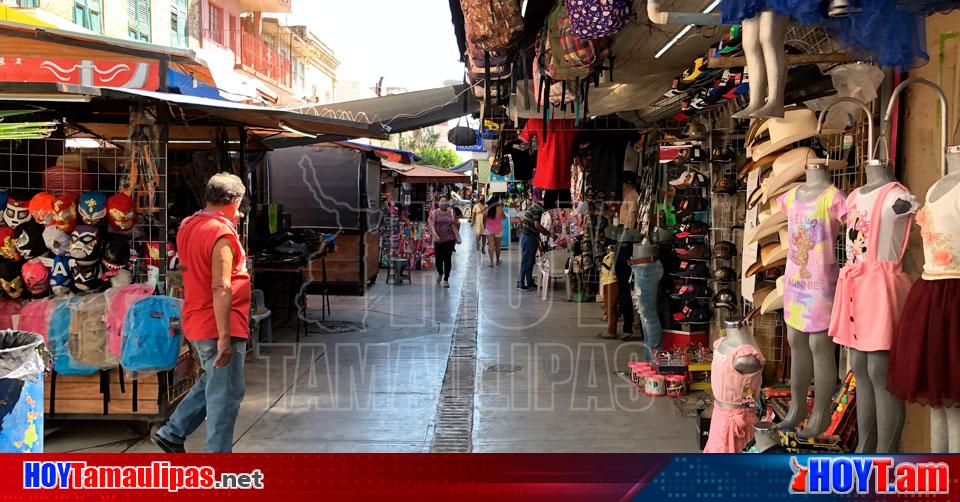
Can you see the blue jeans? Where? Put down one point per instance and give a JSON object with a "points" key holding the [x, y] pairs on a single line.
{"points": [[528, 255], [646, 283], [215, 397]]}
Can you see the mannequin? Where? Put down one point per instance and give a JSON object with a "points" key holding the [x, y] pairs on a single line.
{"points": [[763, 43], [812, 351], [879, 414], [735, 379]]}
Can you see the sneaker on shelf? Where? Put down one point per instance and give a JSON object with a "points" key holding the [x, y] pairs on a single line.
{"points": [[692, 313], [696, 252], [691, 292], [693, 229]]}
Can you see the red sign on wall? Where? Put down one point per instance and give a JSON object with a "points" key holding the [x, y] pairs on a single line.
{"points": [[86, 72]]}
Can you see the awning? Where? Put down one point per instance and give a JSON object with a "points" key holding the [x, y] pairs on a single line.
{"points": [[259, 116], [465, 168], [402, 112], [416, 173], [189, 86]]}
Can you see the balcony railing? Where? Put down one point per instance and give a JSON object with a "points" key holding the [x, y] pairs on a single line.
{"points": [[265, 60], [254, 54]]}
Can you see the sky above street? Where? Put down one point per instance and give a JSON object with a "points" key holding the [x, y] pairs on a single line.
{"points": [[409, 42]]}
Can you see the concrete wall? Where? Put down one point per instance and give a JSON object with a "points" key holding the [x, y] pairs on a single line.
{"points": [[920, 165]]}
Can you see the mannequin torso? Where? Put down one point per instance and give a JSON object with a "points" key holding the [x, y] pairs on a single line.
{"points": [[878, 175], [737, 335], [818, 180], [950, 181]]}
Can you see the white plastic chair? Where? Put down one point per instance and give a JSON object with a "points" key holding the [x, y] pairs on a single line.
{"points": [[261, 324], [554, 265]]}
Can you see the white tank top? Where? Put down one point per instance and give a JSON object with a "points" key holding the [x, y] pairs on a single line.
{"points": [[939, 222]]}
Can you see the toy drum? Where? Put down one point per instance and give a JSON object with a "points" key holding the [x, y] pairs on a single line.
{"points": [[676, 385], [642, 377], [655, 385]]}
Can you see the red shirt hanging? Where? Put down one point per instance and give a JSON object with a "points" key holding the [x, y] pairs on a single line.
{"points": [[554, 152]]}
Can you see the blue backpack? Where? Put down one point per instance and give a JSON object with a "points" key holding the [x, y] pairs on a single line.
{"points": [[59, 336], [152, 334]]}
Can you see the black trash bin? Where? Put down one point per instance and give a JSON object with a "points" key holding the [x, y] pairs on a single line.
{"points": [[23, 359]]}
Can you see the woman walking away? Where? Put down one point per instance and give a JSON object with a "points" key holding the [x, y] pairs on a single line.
{"points": [[493, 229], [445, 229], [476, 219]]}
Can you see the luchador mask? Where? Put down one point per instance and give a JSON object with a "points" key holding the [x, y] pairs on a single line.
{"points": [[85, 242], [152, 252], [65, 212], [121, 212], [41, 208], [86, 278], [92, 207], [36, 276], [60, 276], [173, 259], [15, 213], [8, 244], [56, 240], [10, 279], [30, 240], [116, 253]]}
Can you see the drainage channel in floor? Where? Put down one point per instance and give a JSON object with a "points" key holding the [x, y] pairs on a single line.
{"points": [[453, 430]]}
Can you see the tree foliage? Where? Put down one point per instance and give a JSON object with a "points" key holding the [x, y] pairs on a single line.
{"points": [[440, 157]]}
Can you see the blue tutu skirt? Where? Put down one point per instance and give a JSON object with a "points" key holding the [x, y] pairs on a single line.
{"points": [[881, 33]]}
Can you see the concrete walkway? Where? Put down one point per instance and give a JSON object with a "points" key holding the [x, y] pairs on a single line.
{"points": [[543, 382]]}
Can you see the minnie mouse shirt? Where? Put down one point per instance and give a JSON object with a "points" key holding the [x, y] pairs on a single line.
{"points": [[893, 225]]}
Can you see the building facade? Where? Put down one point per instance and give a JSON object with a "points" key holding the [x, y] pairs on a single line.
{"points": [[251, 54]]}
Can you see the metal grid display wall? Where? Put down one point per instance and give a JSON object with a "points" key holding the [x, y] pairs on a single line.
{"points": [[24, 171]]}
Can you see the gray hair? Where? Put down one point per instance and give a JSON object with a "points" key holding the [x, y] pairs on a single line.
{"points": [[223, 189]]}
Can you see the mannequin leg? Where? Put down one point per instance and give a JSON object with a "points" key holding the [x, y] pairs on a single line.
{"points": [[750, 32], [773, 31], [939, 440], [824, 382], [866, 403], [801, 372], [953, 429], [890, 410]]}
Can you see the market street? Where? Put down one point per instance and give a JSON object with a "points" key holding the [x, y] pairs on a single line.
{"points": [[544, 382]]}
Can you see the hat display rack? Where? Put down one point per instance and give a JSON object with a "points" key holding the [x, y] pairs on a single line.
{"points": [[75, 164], [690, 277]]}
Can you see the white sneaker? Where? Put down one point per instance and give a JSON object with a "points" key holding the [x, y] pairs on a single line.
{"points": [[446, 284]]}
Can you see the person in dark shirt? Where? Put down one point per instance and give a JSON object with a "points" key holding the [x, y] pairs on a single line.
{"points": [[530, 231]]}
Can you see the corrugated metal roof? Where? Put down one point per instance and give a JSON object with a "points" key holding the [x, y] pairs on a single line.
{"points": [[416, 173]]}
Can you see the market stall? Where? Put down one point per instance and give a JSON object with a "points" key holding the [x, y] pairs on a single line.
{"points": [[710, 214]]}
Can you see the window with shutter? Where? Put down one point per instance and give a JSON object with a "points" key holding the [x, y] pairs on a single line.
{"points": [[138, 12], [215, 24], [178, 23], [28, 3], [87, 13]]}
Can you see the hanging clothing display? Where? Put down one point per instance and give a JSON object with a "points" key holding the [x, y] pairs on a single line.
{"points": [[926, 344], [880, 32], [873, 287], [554, 151], [607, 149], [811, 272], [731, 427]]}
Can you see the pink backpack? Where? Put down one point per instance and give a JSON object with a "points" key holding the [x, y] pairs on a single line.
{"points": [[118, 303], [8, 310], [35, 317]]}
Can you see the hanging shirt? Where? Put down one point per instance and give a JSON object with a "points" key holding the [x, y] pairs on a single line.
{"points": [[608, 275], [519, 154], [893, 226], [812, 271], [607, 154], [940, 229], [554, 151]]}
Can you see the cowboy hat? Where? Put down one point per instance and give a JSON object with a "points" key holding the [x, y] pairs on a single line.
{"points": [[770, 222], [757, 194], [796, 125], [791, 167], [760, 265], [773, 301], [774, 252], [761, 294], [763, 163]]}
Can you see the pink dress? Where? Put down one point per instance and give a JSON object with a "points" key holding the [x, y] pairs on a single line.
{"points": [[493, 226], [872, 290], [731, 429]]}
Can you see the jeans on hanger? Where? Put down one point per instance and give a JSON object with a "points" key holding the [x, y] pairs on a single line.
{"points": [[646, 285]]}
